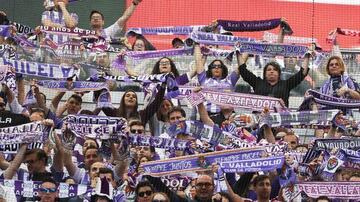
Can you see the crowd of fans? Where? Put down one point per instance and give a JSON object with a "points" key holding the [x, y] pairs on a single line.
{"points": [[113, 169]]}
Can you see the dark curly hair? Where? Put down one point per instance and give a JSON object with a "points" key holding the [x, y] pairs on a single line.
{"points": [[156, 69], [275, 65], [223, 67]]}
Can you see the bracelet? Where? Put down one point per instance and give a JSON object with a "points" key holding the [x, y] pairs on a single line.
{"points": [[135, 4]]}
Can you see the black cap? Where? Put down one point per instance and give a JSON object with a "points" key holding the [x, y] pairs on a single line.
{"points": [[176, 40]]}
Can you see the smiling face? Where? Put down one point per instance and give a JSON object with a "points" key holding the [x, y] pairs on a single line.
{"points": [[96, 20], [73, 106], [334, 68]]}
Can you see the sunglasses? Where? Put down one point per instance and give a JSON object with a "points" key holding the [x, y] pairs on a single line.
{"points": [[147, 193], [165, 63], [334, 64], [216, 66], [48, 190], [137, 131]]}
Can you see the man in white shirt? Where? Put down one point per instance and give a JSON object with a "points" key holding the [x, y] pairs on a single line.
{"points": [[97, 22]]}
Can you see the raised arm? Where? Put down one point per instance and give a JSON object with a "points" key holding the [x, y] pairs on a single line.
{"points": [[154, 106], [70, 21], [128, 13], [21, 90], [15, 164], [248, 76], [281, 33], [15, 107], [55, 101], [58, 164], [234, 197], [204, 116], [69, 165], [121, 163], [241, 59], [199, 63], [297, 78], [305, 65], [40, 101]]}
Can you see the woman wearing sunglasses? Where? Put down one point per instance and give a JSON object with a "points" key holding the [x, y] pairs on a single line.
{"points": [[216, 76]]}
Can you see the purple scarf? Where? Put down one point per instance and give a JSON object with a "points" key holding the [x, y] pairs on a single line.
{"points": [[253, 26], [334, 102]]}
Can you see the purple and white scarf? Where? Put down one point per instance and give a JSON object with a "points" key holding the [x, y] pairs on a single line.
{"points": [[334, 102], [31, 188], [29, 98], [75, 86], [69, 50], [23, 29], [138, 55], [40, 69], [241, 100], [176, 182], [329, 144], [351, 155], [253, 165], [199, 162], [270, 37], [217, 39], [158, 142], [268, 147], [333, 190], [96, 127], [211, 134], [120, 62], [8, 78], [25, 43], [171, 30], [344, 80], [302, 118], [104, 100], [25, 133], [267, 49], [14, 148], [5, 30], [75, 32], [153, 78]]}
